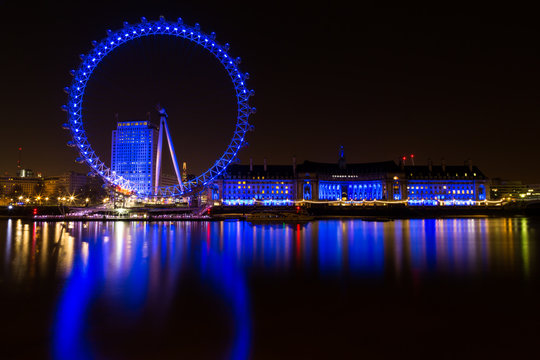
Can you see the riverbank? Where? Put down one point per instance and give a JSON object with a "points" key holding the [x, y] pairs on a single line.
{"points": [[218, 213]]}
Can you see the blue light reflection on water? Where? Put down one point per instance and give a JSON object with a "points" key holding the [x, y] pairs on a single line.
{"points": [[137, 274], [366, 257], [80, 288], [136, 266]]}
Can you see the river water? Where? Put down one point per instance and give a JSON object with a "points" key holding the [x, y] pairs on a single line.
{"points": [[329, 289]]}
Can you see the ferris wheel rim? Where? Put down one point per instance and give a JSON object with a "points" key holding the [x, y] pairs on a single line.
{"points": [[130, 32]]}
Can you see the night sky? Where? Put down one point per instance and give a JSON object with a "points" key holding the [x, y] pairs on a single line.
{"points": [[453, 82]]}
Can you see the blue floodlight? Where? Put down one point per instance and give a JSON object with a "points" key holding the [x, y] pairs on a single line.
{"points": [[162, 27]]}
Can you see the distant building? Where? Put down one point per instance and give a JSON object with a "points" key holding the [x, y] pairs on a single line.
{"points": [[168, 180], [533, 191], [11, 186], [513, 190], [67, 184], [184, 172], [25, 173], [133, 155]]}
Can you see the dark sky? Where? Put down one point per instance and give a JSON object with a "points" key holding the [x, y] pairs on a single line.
{"points": [[443, 81]]}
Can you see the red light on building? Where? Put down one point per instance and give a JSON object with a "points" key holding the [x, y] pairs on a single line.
{"points": [[34, 211]]}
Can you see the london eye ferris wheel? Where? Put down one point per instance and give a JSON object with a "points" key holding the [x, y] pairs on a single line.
{"points": [[147, 28]]}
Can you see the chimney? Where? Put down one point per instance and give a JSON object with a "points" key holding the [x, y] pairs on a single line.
{"points": [[20, 158], [469, 164], [443, 165], [148, 116], [116, 117], [250, 164], [265, 164], [294, 166], [430, 165]]}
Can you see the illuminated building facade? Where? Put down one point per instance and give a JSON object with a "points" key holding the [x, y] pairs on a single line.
{"points": [[15, 186], [25, 173], [445, 185], [68, 183], [347, 182], [310, 181], [513, 190], [384, 182], [259, 184], [133, 155]]}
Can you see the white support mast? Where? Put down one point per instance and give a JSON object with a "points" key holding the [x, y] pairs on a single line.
{"points": [[158, 159], [163, 126]]}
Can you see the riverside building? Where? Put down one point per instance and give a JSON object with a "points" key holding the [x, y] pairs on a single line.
{"points": [[368, 183]]}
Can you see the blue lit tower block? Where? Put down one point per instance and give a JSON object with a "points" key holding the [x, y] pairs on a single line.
{"points": [[133, 155]]}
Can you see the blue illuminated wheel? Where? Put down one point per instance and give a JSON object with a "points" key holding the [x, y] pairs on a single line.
{"points": [[150, 28]]}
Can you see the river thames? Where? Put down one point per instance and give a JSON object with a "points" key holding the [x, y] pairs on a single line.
{"points": [[330, 289]]}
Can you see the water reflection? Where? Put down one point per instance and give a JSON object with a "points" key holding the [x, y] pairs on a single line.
{"points": [[426, 246], [137, 267]]}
